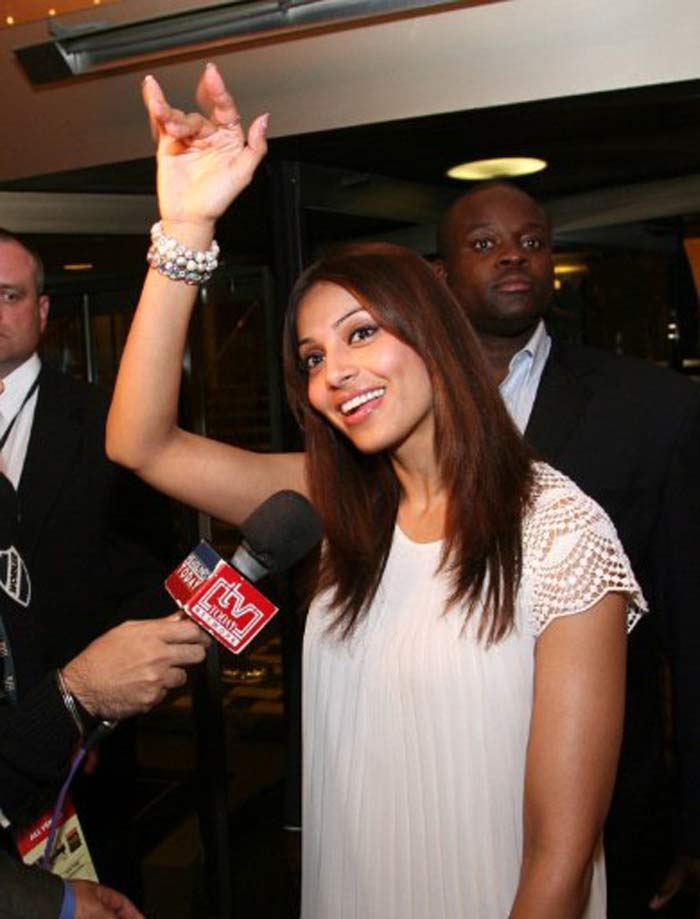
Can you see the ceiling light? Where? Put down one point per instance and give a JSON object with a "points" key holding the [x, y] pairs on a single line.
{"points": [[501, 168], [78, 266], [568, 267], [16, 12]]}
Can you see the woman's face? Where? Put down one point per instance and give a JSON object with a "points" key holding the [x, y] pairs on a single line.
{"points": [[364, 380]]}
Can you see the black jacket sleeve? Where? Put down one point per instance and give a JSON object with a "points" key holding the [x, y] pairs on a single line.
{"points": [[677, 563], [37, 738], [28, 891]]}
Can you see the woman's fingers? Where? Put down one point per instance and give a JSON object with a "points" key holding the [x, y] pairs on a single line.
{"points": [[257, 137], [156, 104], [219, 104], [216, 100], [188, 125], [220, 127], [172, 121]]}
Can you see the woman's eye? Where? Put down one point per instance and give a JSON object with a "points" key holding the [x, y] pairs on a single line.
{"points": [[483, 244], [310, 361], [363, 333], [532, 242]]}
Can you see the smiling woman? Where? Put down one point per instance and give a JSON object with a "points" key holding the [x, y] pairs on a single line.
{"points": [[465, 644], [373, 317]]}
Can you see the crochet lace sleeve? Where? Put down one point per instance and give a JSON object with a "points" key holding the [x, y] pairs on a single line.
{"points": [[572, 555]]}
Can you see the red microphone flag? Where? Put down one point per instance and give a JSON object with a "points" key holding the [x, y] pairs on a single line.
{"points": [[219, 598]]}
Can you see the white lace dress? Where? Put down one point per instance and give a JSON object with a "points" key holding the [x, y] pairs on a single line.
{"points": [[414, 734]]}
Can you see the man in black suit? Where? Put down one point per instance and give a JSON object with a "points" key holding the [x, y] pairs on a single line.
{"points": [[628, 434], [91, 535]]}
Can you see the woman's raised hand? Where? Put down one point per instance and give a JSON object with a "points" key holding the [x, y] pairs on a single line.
{"points": [[204, 160]]}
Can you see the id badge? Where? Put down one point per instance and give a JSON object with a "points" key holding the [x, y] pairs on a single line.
{"points": [[71, 857]]}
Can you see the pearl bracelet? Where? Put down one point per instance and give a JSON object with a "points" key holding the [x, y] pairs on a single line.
{"points": [[178, 262]]}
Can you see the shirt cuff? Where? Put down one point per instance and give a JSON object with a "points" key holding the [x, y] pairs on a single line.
{"points": [[68, 905]]}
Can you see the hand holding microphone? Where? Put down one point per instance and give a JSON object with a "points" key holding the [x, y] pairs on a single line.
{"points": [[130, 669], [124, 672]]}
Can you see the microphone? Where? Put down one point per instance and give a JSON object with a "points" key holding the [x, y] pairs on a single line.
{"points": [[219, 595]]}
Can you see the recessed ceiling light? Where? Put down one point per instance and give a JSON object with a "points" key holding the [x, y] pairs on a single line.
{"points": [[78, 266], [571, 265], [16, 12], [562, 269], [501, 168]]}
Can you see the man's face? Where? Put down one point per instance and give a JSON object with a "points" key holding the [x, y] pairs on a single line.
{"points": [[23, 312], [499, 260]]}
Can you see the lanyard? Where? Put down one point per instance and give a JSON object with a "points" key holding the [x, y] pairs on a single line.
{"points": [[8, 686], [30, 393]]}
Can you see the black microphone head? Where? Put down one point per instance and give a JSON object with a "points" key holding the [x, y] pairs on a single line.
{"points": [[281, 530]]}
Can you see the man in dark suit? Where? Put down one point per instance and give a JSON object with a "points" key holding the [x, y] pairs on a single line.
{"points": [[94, 539], [628, 434], [92, 536]]}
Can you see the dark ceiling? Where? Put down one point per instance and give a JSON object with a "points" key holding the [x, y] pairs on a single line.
{"points": [[591, 142]]}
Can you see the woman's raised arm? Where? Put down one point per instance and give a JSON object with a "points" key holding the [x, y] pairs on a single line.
{"points": [[205, 160]]}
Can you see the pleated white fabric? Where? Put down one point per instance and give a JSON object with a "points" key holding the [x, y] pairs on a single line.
{"points": [[414, 739]]}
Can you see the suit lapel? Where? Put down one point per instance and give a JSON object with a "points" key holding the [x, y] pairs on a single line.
{"points": [[55, 438], [561, 399]]}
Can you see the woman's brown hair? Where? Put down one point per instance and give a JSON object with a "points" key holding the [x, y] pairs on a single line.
{"points": [[484, 463]]}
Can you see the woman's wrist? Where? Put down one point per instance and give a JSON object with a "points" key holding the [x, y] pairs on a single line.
{"points": [[195, 234]]}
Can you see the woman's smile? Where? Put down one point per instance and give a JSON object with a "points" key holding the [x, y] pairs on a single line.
{"points": [[357, 407]]}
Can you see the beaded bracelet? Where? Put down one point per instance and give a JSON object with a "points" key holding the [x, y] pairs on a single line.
{"points": [[178, 262]]}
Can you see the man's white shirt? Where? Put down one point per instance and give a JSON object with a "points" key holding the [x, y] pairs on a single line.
{"points": [[17, 385], [519, 389]]}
